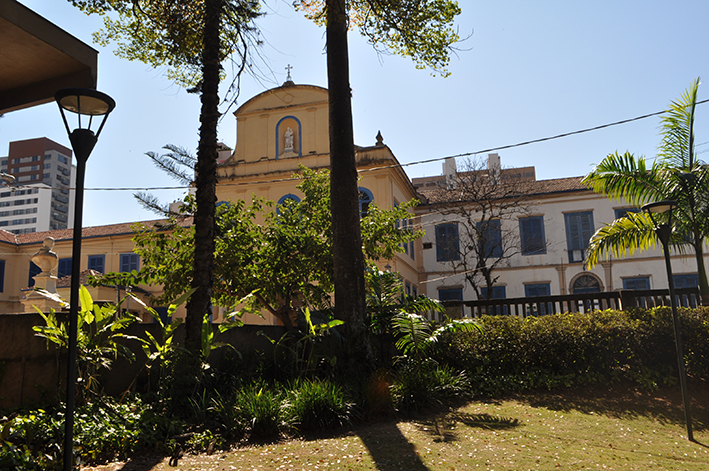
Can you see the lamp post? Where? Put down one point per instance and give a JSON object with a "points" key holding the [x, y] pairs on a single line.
{"points": [[663, 232], [86, 103]]}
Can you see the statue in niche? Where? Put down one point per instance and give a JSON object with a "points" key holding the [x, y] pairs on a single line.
{"points": [[289, 140]]}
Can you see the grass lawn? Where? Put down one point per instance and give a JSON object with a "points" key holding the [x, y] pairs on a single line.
{"points": [[590, 428]]}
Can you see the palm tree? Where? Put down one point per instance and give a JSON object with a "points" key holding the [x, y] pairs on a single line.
{"points": [[676, 174]]}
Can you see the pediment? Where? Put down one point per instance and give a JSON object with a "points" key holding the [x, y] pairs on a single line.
{"points": [[284, 96]]}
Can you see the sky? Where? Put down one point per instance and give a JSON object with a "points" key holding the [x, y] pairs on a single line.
{"points": [[525, 71]]}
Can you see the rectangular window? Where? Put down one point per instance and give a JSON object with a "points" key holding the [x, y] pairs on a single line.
{"points": [[538, 289], [2, 276], [450, 294], [492, 238], [498, 292], [414, 291], [129, 262], [96, 262], [64, 268], [579, 229], [531, 235], [447, 243], [622, 212], [407, 288], [686, 281], [637, 283]]}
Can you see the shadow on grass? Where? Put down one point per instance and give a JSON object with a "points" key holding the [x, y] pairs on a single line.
{"points": [[390, 449], [142, 462], [624, 401], [443, 429]]}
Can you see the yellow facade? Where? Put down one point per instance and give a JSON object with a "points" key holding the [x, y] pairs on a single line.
{"points": [[285, 127], [110, 241], [276, 132]]}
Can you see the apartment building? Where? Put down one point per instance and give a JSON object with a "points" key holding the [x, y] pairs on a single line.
{"points": [[41, 198]]}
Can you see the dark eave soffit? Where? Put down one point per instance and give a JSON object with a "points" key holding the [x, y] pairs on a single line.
{"points": [[37, 58]]}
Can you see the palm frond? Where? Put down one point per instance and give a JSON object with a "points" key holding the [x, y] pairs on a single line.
{"points": [[677, 146], [625, 177], [178, 163], [623, 236], [413, 330], [152, 203]]}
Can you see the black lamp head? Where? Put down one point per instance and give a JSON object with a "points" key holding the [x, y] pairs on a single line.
{"points": [[84, 102]]}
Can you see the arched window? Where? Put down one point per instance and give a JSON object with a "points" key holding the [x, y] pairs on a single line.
{"points": [[365, 199], [289, 196], [586, 284]]}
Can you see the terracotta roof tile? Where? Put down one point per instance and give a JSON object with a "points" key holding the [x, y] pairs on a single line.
{"points": [[535, 188], [86, 232], [65, 281], [8, 237]]}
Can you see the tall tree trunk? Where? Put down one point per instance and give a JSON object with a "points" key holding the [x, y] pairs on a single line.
{"points": [[350, 305], [701, 273], [203, 268]]}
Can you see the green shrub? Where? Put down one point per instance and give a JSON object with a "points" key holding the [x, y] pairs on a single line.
{"points": [[317, 405], [423, 384], [261, 410], [571, 349]]}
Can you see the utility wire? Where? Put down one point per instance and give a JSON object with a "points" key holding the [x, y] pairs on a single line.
{"points": [[419, 162]]}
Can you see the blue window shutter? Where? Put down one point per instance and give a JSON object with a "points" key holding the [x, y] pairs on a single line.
{"points": [[579, 229], [447, 242], [537, 289], [686, 281], [531, 234], [129, 262], [498, 292], [450, 294], [34, 271], [492, 238], [97, 263], [64, 267]]}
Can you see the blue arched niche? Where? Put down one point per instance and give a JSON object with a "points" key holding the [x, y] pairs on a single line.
{"points": [[297, 134]]}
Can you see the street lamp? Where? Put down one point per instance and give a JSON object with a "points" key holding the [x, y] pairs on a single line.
{"points": [[663, 232], [84, 103]]}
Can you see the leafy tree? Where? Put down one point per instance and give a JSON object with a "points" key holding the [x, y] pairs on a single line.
{"points": [[192, 39], [485, 203], [421, 29], [676, 174], [283, 262]]}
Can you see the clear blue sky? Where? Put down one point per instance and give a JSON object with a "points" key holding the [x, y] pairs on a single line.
{"points": [[528, 70]]}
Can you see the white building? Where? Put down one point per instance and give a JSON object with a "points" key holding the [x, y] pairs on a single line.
{"points": [[41, 199], [551, 232]]}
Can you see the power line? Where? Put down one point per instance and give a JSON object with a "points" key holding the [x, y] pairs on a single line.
{"points": [[426, 161]]}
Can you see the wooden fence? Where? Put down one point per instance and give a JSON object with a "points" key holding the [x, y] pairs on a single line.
{"points": [[541, 305]]}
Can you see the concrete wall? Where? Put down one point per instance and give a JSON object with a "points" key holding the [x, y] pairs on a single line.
{"points": [[33, 374]]}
